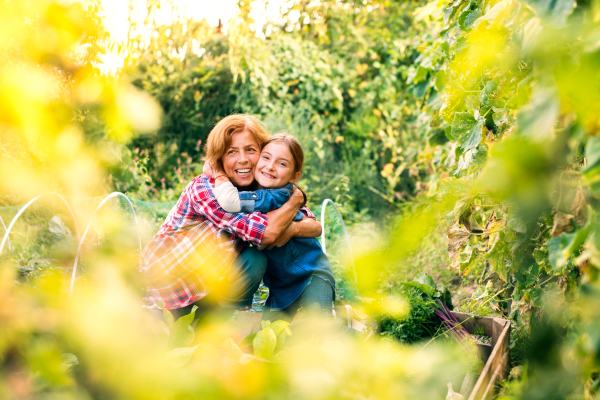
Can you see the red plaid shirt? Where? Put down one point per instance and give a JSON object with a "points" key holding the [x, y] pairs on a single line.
{"points": [[195, 247]]}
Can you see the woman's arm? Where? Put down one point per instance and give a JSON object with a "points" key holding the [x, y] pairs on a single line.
{"points": [[307, 228]]}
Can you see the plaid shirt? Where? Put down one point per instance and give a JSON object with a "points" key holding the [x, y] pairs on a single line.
{"points": [[195, 247]]}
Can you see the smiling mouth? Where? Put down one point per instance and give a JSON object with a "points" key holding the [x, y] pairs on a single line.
{"points": [[267, 175], [243, 172]]}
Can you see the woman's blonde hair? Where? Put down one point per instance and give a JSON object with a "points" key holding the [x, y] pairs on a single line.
{"points": [[219, 138]]}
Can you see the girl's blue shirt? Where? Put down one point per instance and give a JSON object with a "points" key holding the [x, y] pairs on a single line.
{"points": [[291, 267]]}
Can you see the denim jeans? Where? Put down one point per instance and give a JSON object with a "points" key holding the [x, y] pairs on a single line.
{"points": [[240, 286], [317, 296]]}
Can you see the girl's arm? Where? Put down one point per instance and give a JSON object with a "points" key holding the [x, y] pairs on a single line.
{"points": [[256, 228], [228, 197]]}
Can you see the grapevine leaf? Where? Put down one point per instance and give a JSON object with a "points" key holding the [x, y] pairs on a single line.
{"points": [[467, 130], [553, 12], [454, 98], [496, 257], [418, 75], [487, 91], [591, 172], [492, 15], [466, 260], [440, 80], [537, 119], [560, 248], [562, 223], [457, 238], [579, 207], [449, 13], [468, 18]]}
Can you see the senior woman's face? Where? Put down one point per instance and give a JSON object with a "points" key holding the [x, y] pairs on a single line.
{"points": [[241, 157]]}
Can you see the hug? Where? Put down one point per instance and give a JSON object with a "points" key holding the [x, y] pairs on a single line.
{"points": [[241, 222]]}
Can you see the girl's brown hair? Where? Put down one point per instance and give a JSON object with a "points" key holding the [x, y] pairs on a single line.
{"points": [[219, 138], [295, 148]]}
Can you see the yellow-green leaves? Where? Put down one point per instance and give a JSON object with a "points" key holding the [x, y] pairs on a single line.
{"points": [[554, 13], [591, 172], [264, 343], [467, 130]]}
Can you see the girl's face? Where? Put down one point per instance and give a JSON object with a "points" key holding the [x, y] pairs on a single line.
{"points": [[240, 158], [275, 166]]}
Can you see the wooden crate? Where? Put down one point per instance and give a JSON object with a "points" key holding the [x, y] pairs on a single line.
{"points": [[496, 362], [495, 368]]}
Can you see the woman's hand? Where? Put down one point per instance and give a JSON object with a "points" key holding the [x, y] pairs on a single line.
{"points": [[286, 235], [279, 220], [297, 198], [307, 228]]}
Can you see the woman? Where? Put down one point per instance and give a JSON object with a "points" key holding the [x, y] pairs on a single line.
{"points": [[202, 249]]}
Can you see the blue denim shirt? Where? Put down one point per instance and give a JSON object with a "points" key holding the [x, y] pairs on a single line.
{"points": [[291, 267]]}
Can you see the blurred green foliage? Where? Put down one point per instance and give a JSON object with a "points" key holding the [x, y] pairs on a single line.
{"points": [[477, 116]]}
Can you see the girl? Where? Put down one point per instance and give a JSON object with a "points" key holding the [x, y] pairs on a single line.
{"points": [[298, 273]]}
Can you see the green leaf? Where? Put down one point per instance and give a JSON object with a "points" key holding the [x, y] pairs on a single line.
{"points": [[553, 12], [169, 320], [231, 349], [536, 120], [180, 356], [449, 13], [454, 98], [424, 282], [440, 80], [68, 361], [182, 334], [467, 259], [467, 130], [487, 91], [418, 75], [496, 255], [264, 343], [591, 172], [58, 228], [467, 18]]}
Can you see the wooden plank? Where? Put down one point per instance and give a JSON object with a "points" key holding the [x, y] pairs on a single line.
{"points": [[494, 363], [499, 373]]}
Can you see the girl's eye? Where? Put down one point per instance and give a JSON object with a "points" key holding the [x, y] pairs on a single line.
{"points": [[283, 164]]}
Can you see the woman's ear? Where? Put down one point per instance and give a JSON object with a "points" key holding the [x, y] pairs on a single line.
{"points": [[297, 176]]}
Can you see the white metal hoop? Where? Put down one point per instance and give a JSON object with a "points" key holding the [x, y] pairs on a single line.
{"points": [[8, 240], [22, 210], [346, 236], [87, 228]]}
